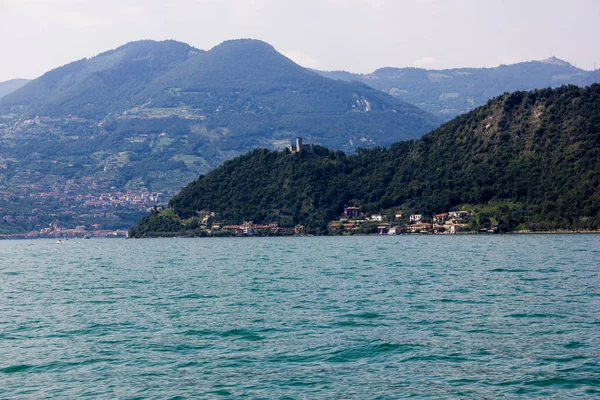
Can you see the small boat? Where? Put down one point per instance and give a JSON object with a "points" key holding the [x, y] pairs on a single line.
{"points": [[59, 241]]}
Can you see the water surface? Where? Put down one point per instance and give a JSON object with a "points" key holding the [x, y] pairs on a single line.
{"points": [[511, 316]]}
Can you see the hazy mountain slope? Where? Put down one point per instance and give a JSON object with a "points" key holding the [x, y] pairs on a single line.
{"points": [[250, 89], [448, 93], [96, 87], [528, 158], [167, 112], [12, 85], [588, 78], [243, 86]]}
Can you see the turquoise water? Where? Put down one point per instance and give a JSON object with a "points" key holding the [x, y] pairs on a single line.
{"points": [[507, 316]]}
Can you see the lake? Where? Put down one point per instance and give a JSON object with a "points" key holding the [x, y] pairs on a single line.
{"points": [[362, 317]]}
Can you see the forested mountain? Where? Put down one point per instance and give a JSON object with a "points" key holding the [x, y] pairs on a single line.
{"points": [[448, 93], [242, 92], [148, 117], [96, 87], [12, 85], [162, 112], [527, 159]]}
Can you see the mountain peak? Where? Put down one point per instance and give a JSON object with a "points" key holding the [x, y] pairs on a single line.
{"points": [[555, 61], [244, 44], [145, 46]]}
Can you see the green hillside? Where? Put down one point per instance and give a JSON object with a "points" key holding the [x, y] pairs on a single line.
{"points": [[448, 93], [527, 159], [96, 87], [157, 114], [239, 95]]}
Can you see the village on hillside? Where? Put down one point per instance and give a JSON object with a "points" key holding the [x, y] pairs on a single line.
{"points": [[399, 222], [76, 207], [353, 221], [55, 231], [79, 208]]}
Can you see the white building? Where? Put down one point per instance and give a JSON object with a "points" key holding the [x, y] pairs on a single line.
{"points": [[458, 215], [416, 218]]}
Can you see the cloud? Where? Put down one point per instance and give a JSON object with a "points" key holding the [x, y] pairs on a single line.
{"points": [[354, 35], [376, 4], [426, 62], [301, 58], [73, 13]]}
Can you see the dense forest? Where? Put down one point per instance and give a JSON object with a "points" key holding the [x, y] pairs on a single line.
{"points": [[527, 160]]}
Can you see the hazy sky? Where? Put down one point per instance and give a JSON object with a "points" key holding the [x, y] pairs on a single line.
{"points": [[359, 36]]}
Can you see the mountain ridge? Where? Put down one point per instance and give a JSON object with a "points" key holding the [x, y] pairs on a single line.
{"points": [[77, 87], [252, 77], [525, 160], [450, 92]]}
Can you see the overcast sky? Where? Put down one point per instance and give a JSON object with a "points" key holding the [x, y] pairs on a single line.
{"points": [[353, 35]]}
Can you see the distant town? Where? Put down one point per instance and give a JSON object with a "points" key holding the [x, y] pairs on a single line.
{"points": [[80, 232], [92, 209]]}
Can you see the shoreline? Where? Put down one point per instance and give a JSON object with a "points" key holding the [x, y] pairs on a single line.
{"points": [[377, 235], [19, 237]]}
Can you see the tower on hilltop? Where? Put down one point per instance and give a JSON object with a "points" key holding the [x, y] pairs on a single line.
{"points": [[299, 146]]}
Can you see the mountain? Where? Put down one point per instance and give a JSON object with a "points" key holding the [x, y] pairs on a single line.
{"points": [[203, 107], [93, 88], [148, 117], [588, 78], [523, 160], [242, 86], [12, 85], [448, 93]]}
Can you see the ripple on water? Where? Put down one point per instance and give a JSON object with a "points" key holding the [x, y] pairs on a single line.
{"points": [[330, 317]]}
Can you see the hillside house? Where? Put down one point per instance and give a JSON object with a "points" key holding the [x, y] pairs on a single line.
{"points": [[338, 225], [419, 227], [231, 228], [261, 229], [416, 218], [247, 228], [458, 215], [457, 228], [440, 218], [352, 212], [383, 229]]}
